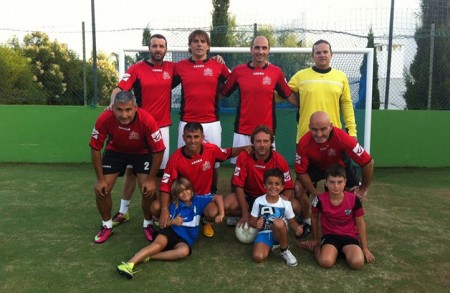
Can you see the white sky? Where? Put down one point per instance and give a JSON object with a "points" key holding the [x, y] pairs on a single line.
{"points": [[61, 19]]}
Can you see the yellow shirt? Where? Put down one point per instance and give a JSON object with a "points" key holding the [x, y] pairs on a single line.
{"points": [[328, 92]]}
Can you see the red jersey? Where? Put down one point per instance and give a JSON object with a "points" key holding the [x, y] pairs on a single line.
{"points": [[323, 155], [338, 220], [152, 86], [197, 169], [200, 82], [249, 172], [256, 95], [139, 137]]}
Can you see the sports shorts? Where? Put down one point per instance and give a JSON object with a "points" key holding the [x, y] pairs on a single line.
{"points": [[317, 175], [115, 162], [338, 241], [172, 238]]}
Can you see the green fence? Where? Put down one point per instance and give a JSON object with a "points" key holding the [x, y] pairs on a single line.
{"points": [[60, 134]]}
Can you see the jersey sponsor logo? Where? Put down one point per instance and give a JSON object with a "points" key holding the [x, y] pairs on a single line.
{"points": [[133, 135], [206, 166], [237, 171], [298, 159], [157, 136], [267, 80], [259, 166], [196, 161], [358, 150], [165, 178], [287, 177], [106, 167], [331, 152], [258, 73], [124, 128], [95, 133], [348, 212], [199, 66], [126, 76], [166, 75], [208, 72]]}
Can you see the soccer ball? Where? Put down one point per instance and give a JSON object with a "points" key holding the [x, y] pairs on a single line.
{"points": [[245, 233]]}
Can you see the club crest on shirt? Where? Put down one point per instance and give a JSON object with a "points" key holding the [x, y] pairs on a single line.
{"points": [[166, 75], [133, 135], [358, 150], [206, 166], [207, 72], [267, 80], [348, 212], [331, 152], [237, 171]]}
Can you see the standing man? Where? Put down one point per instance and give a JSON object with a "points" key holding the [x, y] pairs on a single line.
{"points": [[133, 138], [151, 81], [200, 79], [248, 177], [323, 146], [257, 80], [320, 88], [194, 161]]}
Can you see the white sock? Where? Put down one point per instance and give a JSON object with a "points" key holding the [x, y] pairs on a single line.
{"points": [[147, 222], [124, 204], [108, 224], [307, 221]]}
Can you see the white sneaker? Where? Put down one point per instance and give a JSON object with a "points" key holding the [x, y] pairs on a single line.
{"points": [[232, 221], [289, 257]]}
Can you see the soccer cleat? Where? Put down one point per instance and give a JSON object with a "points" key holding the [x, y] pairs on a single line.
{"points": [[306, 231], [232, 221], [150, 232], [126, 270], [208, 230], [120, 218], [103, 235], [289, 257]]}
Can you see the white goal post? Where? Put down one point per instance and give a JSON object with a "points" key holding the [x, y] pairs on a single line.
{"points": [[365, 51]]}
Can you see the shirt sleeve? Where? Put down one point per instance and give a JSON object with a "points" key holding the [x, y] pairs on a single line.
{"points": [[230, 84], [346, 105], [282, 87], [99, 133]]}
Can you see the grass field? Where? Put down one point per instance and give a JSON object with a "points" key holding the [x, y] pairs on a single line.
{"points": [[49, 219]]}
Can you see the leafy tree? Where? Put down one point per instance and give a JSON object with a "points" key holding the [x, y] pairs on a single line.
{"points": [[146, 34], [362, 84], [435, 12], [220, 21], [17, 85], [107, 76]]}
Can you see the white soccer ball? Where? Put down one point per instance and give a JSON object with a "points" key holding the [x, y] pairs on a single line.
{"points": [[245, 233]]}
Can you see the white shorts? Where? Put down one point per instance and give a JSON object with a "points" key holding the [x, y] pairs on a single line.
{"points": [[211, 130], [242, 140]]}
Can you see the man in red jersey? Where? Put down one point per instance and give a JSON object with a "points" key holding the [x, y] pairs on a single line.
{"points": [[151, 82], [133, 138], [248, 177], [323, 146], [194, 161], [257, 80], [200, 79]]}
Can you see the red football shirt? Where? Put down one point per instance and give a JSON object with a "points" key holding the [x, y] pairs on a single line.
{"points": [[323, 155], [338, 220], [139, 137], [200, 82], [197, 169], [249, 172], [256, 95], [152, 86]]}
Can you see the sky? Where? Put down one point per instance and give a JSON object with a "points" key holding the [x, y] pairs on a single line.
{"points": [[116, 21]]}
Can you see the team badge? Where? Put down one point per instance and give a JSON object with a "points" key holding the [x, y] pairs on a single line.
{"points": [[331, 152], [348, 212], [95, 133], [157, 136], [208, 72], [358, 150], [133, 135], [166, 75], [266, 80], [206, 166]]}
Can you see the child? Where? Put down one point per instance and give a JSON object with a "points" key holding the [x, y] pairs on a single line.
{"points": [[269, 214], [343, 228], [175, 241]]}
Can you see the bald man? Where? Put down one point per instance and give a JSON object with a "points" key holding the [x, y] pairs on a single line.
{"points": [[323, 146]]}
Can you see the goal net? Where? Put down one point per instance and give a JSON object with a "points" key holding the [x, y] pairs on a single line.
{"points": [[356, 63]]}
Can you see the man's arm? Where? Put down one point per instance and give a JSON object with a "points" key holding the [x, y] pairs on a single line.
{"points": [[346, 108], [164, 213], [366, 181], [361, 226], [245, 214], [237, 150], [293, 99], [100, 186], [305, 180], [149, 186], [113, 95]]}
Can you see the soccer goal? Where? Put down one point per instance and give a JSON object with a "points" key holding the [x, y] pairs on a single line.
{"points": [[356, 63]]}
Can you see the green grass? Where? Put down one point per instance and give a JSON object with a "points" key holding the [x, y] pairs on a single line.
{"points": [[49, 219]]}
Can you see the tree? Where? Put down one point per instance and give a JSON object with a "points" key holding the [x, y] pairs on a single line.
{"points": [[362, 84], [435, 12], [145, 42], [220, 21]]}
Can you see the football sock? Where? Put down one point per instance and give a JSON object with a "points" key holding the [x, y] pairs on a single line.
{"points": [[307, 221], [108, 224], [124, 204], [147, 222]]}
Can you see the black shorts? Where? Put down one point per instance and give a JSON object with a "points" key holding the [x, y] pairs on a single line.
{"points": [[338, 241], [172, 238], [250, 200], [114, 162], [317, 175]]}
